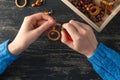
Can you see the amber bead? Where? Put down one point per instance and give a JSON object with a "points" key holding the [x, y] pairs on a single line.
{"points": [[33, 5], [38, 3]]}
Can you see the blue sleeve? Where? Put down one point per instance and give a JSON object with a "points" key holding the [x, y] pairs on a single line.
{"points": [[106, 63], [6, 58]]}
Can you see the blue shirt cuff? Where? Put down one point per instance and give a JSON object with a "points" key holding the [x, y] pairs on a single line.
{"points": [[103, 53], [106, 62], [99, 54], [6, 58]]}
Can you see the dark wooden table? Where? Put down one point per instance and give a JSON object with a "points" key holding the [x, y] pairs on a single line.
{"points": [[45, 59]]}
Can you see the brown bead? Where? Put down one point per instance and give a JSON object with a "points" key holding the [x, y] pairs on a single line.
{"points": [[33, 5], [38, 3]]}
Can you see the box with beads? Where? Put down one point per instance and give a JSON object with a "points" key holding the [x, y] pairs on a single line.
{"points": [[96, 13]]}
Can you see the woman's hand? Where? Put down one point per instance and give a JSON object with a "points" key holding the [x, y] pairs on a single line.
{"points": [[83, 38], [33, 26]]}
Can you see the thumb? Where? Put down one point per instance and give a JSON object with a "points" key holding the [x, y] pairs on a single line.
{"points": [[42, 28]]}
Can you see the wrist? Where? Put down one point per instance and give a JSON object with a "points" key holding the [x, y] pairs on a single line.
{"points": [[87, 53], [91, 51], [15, 48]]}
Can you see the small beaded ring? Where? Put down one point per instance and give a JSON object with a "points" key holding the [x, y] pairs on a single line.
{"points": [[21, 6]]}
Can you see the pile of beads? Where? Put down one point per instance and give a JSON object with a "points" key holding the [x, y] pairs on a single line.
{"points": [[93, 11]]}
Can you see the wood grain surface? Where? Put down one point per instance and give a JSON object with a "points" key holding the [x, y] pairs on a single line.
{"points": [[45, 59]]}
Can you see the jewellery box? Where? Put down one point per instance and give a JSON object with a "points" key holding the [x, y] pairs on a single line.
{"points": [[110, 9]]}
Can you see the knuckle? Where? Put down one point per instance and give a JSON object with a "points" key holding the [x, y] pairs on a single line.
{"points": [[52, 21], [62, 41], [85, 32], [71, 21], [77, 37], [89, 28], [26, 17], [66, 25]]}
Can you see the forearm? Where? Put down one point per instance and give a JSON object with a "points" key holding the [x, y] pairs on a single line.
{"points": [[106, 63], [6, 58]]}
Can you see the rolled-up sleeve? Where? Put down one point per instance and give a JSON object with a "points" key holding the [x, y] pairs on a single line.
{"points": [[106, 63], [6, 58]]}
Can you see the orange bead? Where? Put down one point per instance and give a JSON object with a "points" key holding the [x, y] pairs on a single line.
{"points": [[33, 5]]}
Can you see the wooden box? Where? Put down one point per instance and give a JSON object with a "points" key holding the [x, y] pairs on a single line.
{"points": [[98, 26]]}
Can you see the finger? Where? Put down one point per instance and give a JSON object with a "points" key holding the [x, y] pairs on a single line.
{"points": [[33, 19], [43, 27], [65, 40], [41, 22], [72, 31], [81, 28], [39, 16]]}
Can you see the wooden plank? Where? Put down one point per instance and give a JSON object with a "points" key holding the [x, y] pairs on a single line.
{"points": [[45, 59]]}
